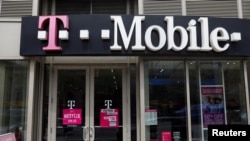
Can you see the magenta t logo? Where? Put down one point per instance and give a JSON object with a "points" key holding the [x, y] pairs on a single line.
{"points": [[53, 32]]}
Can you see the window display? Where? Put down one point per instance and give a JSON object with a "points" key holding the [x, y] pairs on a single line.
{"points": [[13, 97], [222, 83], [165, 100]]}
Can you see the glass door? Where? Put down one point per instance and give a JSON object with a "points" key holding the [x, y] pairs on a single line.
{"points": [[107, 104], [88, 104], [71, 104]]}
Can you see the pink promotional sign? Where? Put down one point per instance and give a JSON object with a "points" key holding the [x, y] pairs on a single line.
{"points": [[109, 118], [8, 137], [212, 105], [72, 116], [166, 136]]}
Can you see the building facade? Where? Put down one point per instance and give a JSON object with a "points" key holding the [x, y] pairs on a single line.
{"points": [[123, 70]]}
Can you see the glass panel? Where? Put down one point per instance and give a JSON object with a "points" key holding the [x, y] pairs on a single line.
{"points": [[235, 92], [165, 100], [108, 96], [45, 103], [133, 109], [109, 6], [13, 96], [70, 103], [73, 6], [91, 6], [37, 99], [227, 75], [210, 73]]}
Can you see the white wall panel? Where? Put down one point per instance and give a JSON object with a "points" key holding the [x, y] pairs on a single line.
{"points": [[10, 40]]}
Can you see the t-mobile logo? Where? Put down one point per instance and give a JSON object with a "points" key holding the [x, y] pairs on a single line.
{"points": [[52, 22], [108, 103], [71, 104]]}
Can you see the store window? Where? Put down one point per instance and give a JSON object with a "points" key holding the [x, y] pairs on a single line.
{"points": [[133, 103], [217, 95], [45, 111], [13, 97], [165, 100], [88, 7]]}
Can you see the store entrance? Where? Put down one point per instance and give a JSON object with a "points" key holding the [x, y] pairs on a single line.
{"points": [[88, 104]]}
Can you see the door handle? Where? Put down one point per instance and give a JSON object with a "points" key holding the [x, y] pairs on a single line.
{"points": [[92, 133], [85, 133]]}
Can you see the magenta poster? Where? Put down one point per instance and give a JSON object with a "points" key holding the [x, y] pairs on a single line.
{"points": [[109, 118], [212, 105], [8, 137], [166, 136], [72, 116]]}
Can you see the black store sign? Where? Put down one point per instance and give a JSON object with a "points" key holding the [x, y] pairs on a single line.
{"points": [[134, 35]]}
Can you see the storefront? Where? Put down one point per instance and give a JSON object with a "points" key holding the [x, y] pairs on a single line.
{"points": [[138, 78]]}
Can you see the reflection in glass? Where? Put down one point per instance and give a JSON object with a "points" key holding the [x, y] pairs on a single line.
{"points": [[13, 94], [70, 94], [217, 74], [133, 103], [165, 98], [210, 73], [108, 86], [45, 103]]}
